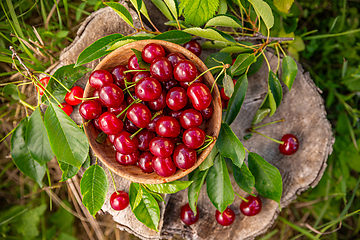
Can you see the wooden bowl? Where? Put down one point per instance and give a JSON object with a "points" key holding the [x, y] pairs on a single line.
{"points": [[106, 151]]}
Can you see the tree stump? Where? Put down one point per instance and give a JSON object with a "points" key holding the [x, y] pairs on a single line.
{"points": [[304, 113]]}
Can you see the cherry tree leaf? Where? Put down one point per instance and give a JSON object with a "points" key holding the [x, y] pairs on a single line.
{"points": [[244, 178], [175, 36], [263, 10], [237, 99], [260, 115], [283, 5], [223, 7], [137, 4], [122, 11], [275, 92], [224, 21], [289, 71], [170, 187], [242, 62], [173, 6], [210, 33], [128, 39], [209, 160], [141, 62], [163, 8], [198, 12], [228, 85], [68, 171], [216, 59], [198, 178]]}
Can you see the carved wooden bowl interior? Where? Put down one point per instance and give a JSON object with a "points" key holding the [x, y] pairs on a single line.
{"points": [[105, 151]]}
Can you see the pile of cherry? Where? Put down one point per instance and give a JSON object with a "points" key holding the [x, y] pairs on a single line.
{"points": [[152, 117]]}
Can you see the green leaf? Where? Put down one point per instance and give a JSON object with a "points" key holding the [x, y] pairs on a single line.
{"points": [[228, 85], [198, 178], [128, 39], [234, 49], [163, 8], [244, 179], [210, 33], [230, 146], [122, 11], [175, 36], [97, 49], [209, 160], [138, 198], [289, 71], [263, 10], [148, 211], [267, 177], [37, 139], [87, 162], [198, 12], [68, 142], [22, 157], [137, 4], [260, 115], [236, 100], [218, 185], [157, 196], [68, 171], [224, 21], [171, 187], [173, 6], [242, 62], [223, 7], [26, 225], [283, 5], [216, 59], [141, 62], [13, 91], [275, 92], [94, 186]]}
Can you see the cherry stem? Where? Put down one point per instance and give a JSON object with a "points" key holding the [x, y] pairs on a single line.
{"points": [[242, 198], [123, 111], [130, 71], [112, 177], [134, 134], [129, 86], [84, 99], [224, 66], [152, 118], [207, 145], [7, 135], [101, 137], [277, 141], [27, 105], [266, 124]]}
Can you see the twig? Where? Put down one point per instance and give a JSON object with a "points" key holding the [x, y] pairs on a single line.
{"points": [[259, 36], [50, 14], [15, 55], [316, 231]]}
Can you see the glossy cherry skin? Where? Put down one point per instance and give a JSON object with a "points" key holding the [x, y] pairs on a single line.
{"points": [[159, 103], [161, 69], [290, 146], [199, 95], [74, 92], [145, 162], [90, 109], [131, 98], [119, 77], [207, 113], [194, 138], [110, 124], [111, 95], [139, 114], [124, 144], [174, 58], [100, 77], [119, 200], [252, 207], [152, 51], [151, 126], [176, 98], [118, 110], [226, 218], [96, 94], [133, 63], [170, 84], [190, 118], [175, 114], [184, 157], [67, 108], [144, 136], [187, 215], [223, 95], [164, 167], [130, 127], [96, 123], [194, 47], [168, 127], [127, 159], [44, 81], [161, 147], [139, 75], [185, 71], [185, 85], [111, 138], [148, 89]]}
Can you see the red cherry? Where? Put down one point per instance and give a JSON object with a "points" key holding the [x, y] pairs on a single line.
{"points": [[185, 71], [161, 147], [131, 98], [152, 51], [190, 118], [118, 110], [187, 215], [184, 157], [133, 63], [252, 207], [176, 98], [140, 75], [207, 113], [175, 114], [199, 95], [168, 127], [139, 114], [110, 124], [100, 77], [290, 146], [67, 108], [44, 81], [90, 109], [111, 138], [130, 127], [96, 94], [148, 89], [145, 162], [223, 95], [127, 159], [161, 69], [120, 77], [170, 84], [226, 218], [163, 166], [174, 58], [159, 103], [111, 95], [152, 124], [119, 200], [185, 85], [96, 123], [194, 137], [124, 144], [144, 136], [74, 92], [194, 47]]}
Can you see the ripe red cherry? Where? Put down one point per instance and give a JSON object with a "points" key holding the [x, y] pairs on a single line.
{"points": [[131, 98], [167, 127], [145, 162], [159, 103], [223, 95], [90, 109], [187, 215], [170, 84], [199, 95], [290, 146], [127, 159], [224, 104], [161, 69], [174, 58], [139, 114], [194, 137], [185, 71], [207, 113], [152, 124], [190, 118], [96, 94], [120, 77], [111, 95], [184, 157], [130, 127], [100, 77], [74, 92], [175, 114], [176, 98], [139, 75], [67, 108], [118, 110], [44, 81], [144, 136], [148, 89], [133, 63], [110, 124], [111, 138], [152, 51], [194, 47], [185, 85], [252, 207], [226, 218], [96, 123], [163, 166], [119, 200], [124, 144], [161, 147]]}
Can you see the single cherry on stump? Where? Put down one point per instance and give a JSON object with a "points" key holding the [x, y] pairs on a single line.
{"points": [[163, 166], [139, 114], [194, 47], [90, 109], [148, 89], [226, 218], [67, 108], [119, 200], [152, 51], [187, 215], [110, 124], [73, 96], [111, 95], [184, 157], [290, 146], [252, 207], [199, 95], [100, 77]]}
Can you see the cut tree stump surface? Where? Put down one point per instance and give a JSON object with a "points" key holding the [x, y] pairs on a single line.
{"points": [[305, 117]]}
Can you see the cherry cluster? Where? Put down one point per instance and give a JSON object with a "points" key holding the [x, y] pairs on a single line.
{"points": [[153, 118]]}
